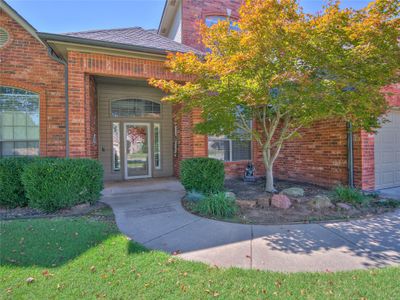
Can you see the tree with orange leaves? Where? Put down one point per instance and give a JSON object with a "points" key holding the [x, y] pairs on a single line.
{"points": [[285, 70]]}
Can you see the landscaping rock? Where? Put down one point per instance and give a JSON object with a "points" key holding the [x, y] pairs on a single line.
{"points": [[230, 195], [246, 203], [344, 206], [321, 202], [293, 192], [281, 201], [264, 202]]}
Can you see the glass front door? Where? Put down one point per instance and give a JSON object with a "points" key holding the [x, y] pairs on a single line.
{"points": [[137, 150]]}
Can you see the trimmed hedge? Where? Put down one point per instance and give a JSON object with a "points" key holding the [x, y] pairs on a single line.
{"points": [[53, 184], [202, 174], [12, 192]]}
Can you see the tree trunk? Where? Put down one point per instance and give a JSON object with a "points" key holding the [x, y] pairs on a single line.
{"points": [[269, 180]]}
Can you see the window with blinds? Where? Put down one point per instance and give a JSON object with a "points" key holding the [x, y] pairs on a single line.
{"points": [[134, 108], [233, 148], [19, 122], [229, 150]]}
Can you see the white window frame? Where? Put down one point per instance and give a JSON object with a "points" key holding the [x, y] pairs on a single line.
{"points": [[225, 139], [158, 126], [27, 140], [112, 145], [150, 161]]}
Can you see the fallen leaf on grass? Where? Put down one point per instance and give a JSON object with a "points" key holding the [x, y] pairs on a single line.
{"points": [[264, 291], [183, 288], [30, 280], [93, 269], [171, 261], [46, 273]]}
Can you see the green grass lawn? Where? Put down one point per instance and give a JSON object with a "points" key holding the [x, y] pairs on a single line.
{"points": [[88, 258]]}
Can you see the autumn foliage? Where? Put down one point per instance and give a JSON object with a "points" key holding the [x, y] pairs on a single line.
{"points": [[286, 69]]}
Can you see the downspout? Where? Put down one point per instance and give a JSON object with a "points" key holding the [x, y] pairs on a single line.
{"points": [[61, 61], [350, 154]]}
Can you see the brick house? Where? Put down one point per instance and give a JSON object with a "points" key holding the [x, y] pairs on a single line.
{"points": [[85, 94]]}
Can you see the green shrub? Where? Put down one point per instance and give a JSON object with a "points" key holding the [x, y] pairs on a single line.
{"points": [[194, 196], [12, 192], [350, 195], [205, 175], [53, 184], [391, 203], [217, 205]]}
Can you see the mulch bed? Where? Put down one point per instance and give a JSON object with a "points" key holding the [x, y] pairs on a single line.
{"points": [[28, 213], [250, 195], [299, 212]]}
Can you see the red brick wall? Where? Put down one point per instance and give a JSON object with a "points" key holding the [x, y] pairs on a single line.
{"points": [[364, 163], [195, 11], [318, 156], [91, 118], [392, 93], [24, 63]]}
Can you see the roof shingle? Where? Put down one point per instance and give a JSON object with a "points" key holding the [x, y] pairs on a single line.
{"points": [[135, 36]]}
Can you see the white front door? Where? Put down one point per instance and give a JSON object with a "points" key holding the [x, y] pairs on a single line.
{"points": [[387, 153], [137, 150]]}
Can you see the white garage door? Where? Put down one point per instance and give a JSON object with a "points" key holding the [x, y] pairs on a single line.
{"points": [[387, 153]]}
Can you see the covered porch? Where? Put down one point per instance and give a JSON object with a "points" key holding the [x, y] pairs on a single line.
{"points": [[134, 129]]}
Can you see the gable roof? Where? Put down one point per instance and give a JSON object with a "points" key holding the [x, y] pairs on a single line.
{"points": [[20, 20], [167, 16], [133, 36]]}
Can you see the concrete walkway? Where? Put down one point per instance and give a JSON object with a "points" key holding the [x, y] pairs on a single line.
{"points": [[150, 213]]}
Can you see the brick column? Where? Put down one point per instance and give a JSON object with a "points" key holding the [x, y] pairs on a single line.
{"points": [[76, 92], [364, 163]]}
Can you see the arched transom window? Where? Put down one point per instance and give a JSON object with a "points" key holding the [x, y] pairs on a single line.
{"points": [[19, 122], [134, 108]]}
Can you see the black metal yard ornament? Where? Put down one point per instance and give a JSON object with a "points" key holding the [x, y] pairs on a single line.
{"points": [[249, 173]]}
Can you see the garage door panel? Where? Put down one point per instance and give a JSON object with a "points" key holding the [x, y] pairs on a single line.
{"points": [[388, 178], [387, 153], [388, 157]]}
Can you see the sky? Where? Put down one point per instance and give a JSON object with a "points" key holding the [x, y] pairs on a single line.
{"points": [[58, 16]]}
